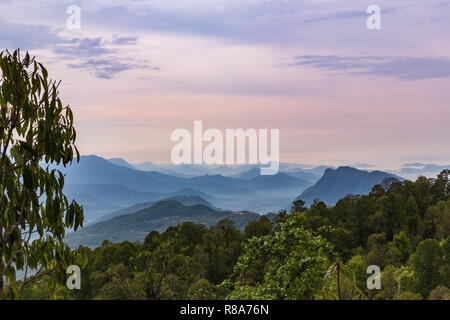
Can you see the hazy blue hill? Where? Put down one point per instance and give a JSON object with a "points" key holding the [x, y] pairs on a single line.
{"points": [[320, 170], [337, 183], [203, 169], [113, 193], [311, 172], [249, 174], [147, 166], [215, 178], [160, 216], [258, 194], [102, 199], [96, 170], [243, 171], [309, 175], [121, 162], [128, 210], [304, 175], [194, 192], [183, 199], [277, 181], [191, 201], [218, 184], [189, 170]]}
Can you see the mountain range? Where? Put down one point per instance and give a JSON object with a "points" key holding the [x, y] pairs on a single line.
{"points": [[105, 186], [102, 187], [124, 203]]}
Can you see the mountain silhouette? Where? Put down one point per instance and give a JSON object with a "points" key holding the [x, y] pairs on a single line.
{"points": [[336, 184]]}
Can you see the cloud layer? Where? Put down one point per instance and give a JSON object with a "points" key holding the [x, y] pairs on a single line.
{"points": [[406, 68], [138, 69]]}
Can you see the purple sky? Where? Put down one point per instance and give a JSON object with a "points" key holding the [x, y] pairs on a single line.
{"points": [[339, 93]]}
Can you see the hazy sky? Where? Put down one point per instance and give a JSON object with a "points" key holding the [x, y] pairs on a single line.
{"points": [[339, 93]]}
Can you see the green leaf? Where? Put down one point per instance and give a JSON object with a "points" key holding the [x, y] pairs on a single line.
{"points": [[27, 178]]}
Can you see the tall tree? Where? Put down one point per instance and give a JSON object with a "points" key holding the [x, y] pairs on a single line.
{"points": [[36, 131], [295, 264], [427, 262]]}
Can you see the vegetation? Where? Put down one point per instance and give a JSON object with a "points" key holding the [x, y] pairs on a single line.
{"points": [[35, 131], [316, 253]]}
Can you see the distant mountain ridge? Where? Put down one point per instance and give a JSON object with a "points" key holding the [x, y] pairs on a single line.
{"points": [[124, 203], [96, 170], [103, 187], [121, 162], [336, 184], [184, 200], [258, 193]]}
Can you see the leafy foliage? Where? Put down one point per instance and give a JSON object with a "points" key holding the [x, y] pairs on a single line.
{"points": [[35, 132], [288, 264]]}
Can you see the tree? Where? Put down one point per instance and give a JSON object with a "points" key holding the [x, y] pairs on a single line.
{"points": [[359, 267], [226, 231], [440, 189], [394, 212], [36, 131], [436, 222], [399, 249], [390, 285], [201, 290], [412, 217], [427, 262], [257, 228], [278, 220], [298, 206], [376, 243], [445, 268], [153, 268], [341, 283], [121, 285], [295, 263]]}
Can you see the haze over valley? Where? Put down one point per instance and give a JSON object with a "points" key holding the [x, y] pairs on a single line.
{"points": [[124, 201]]}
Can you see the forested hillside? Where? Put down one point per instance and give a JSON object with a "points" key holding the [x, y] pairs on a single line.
{"points": [[156, 217], [403, 229]]}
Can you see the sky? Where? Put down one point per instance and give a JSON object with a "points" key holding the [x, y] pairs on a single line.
{"points": [[338, 92]]}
